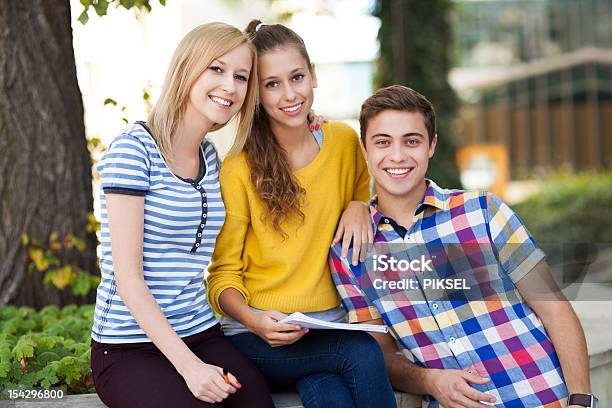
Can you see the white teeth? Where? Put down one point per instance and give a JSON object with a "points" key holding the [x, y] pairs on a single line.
{"points": [[292, 108], [220, 101], [398, 172]]}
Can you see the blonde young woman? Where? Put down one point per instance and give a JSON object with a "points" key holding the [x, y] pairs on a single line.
{"points": [[155, 340], [289, 194]]}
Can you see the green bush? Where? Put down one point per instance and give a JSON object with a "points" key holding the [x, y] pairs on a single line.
{"points": [[570, 208], [49, 348]]}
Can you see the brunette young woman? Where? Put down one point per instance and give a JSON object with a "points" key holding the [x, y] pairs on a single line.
{"points": [[288, 195]]}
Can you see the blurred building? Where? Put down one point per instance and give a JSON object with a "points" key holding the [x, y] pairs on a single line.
{"points": [[535, 76]]}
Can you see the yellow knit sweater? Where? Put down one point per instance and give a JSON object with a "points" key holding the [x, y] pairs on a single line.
{"points": [[289, 274]]}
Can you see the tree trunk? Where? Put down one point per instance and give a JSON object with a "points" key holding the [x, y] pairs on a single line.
{"points": [[415, 50], [45, 169]]}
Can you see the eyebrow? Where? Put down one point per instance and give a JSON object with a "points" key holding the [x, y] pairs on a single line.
{"points": [[221, 62], [290, 73], [404, 135]]}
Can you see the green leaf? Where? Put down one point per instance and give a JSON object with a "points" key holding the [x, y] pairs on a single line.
{"points": [[162, 2], [51, 311], [127, 4], [81, 284], [101, 7], [70, 310], [83, 17], [23, 348], [110, 101], [48, 375], [5, 368]]}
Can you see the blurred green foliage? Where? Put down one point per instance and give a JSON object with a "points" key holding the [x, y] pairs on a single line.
{"points": [[570, 208], [50, 259], [49, 348], [101, 6]]}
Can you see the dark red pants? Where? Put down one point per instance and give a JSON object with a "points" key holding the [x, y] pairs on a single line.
{"points": [[139, 375]]}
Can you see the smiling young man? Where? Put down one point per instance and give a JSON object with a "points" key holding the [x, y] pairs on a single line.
{"points": [[514, 341]]}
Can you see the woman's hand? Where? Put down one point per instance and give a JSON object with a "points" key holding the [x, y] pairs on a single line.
{"points": [[206, 382], [265, 324], [315, 121], [356, 225]]}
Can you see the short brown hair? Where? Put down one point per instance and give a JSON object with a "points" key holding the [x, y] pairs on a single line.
{"points": [[399, 98]]}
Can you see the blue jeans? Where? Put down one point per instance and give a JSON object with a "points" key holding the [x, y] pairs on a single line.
{"points": [[329, 368]]}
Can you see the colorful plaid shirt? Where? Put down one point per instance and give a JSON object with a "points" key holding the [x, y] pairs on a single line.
{"points": [[481, 325]]}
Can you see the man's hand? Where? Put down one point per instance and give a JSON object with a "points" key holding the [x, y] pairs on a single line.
{"points": [[452, 389]]}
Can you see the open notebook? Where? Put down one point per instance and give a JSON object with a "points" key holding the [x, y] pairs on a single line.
{"points": [[305, 321]]}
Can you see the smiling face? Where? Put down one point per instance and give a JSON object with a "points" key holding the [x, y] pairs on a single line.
{"points": [[397, 150], [286, 87], [219, 92]]}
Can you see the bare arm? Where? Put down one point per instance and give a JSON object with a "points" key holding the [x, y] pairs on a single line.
{"points": [[542, 294], [264, 324], [355, 225], [126, 224]]}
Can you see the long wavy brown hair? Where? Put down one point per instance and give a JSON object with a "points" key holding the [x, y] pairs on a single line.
{"points": [[271, 174]]}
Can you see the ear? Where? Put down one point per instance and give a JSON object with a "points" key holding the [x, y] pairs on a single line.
{"points": [[313, 73], [432, 147], [363, 150]]}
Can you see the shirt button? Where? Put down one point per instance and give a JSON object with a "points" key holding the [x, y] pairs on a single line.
{"points": [[105, 352], [386, 221], [199, 187], [199, 234], [205, 205], [452, 339], [201, 225], [203, 215], [435, 305], [203, 194], [197, 244]]}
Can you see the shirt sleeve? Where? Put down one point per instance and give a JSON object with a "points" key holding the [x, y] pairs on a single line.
{"points": [[227, 266], [355, 302], [516, 249], [125, 167]]}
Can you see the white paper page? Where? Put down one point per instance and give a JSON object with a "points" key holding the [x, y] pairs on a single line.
{"points": [[311, 323]]}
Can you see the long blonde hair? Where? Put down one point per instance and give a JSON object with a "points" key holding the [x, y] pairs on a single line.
{"points": [[196, 51]]}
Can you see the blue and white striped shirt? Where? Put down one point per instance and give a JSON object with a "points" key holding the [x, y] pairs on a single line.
{"points": [[182, 219]]}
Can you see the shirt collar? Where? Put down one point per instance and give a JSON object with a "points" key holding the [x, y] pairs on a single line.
{"points": [[434, 196]]}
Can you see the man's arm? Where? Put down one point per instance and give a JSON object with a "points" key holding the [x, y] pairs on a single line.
{"points": [[450, 387], [542, 294]]}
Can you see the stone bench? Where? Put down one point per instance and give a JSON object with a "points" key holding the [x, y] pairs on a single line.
{"points": [[281, 400], [594, 315]]}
